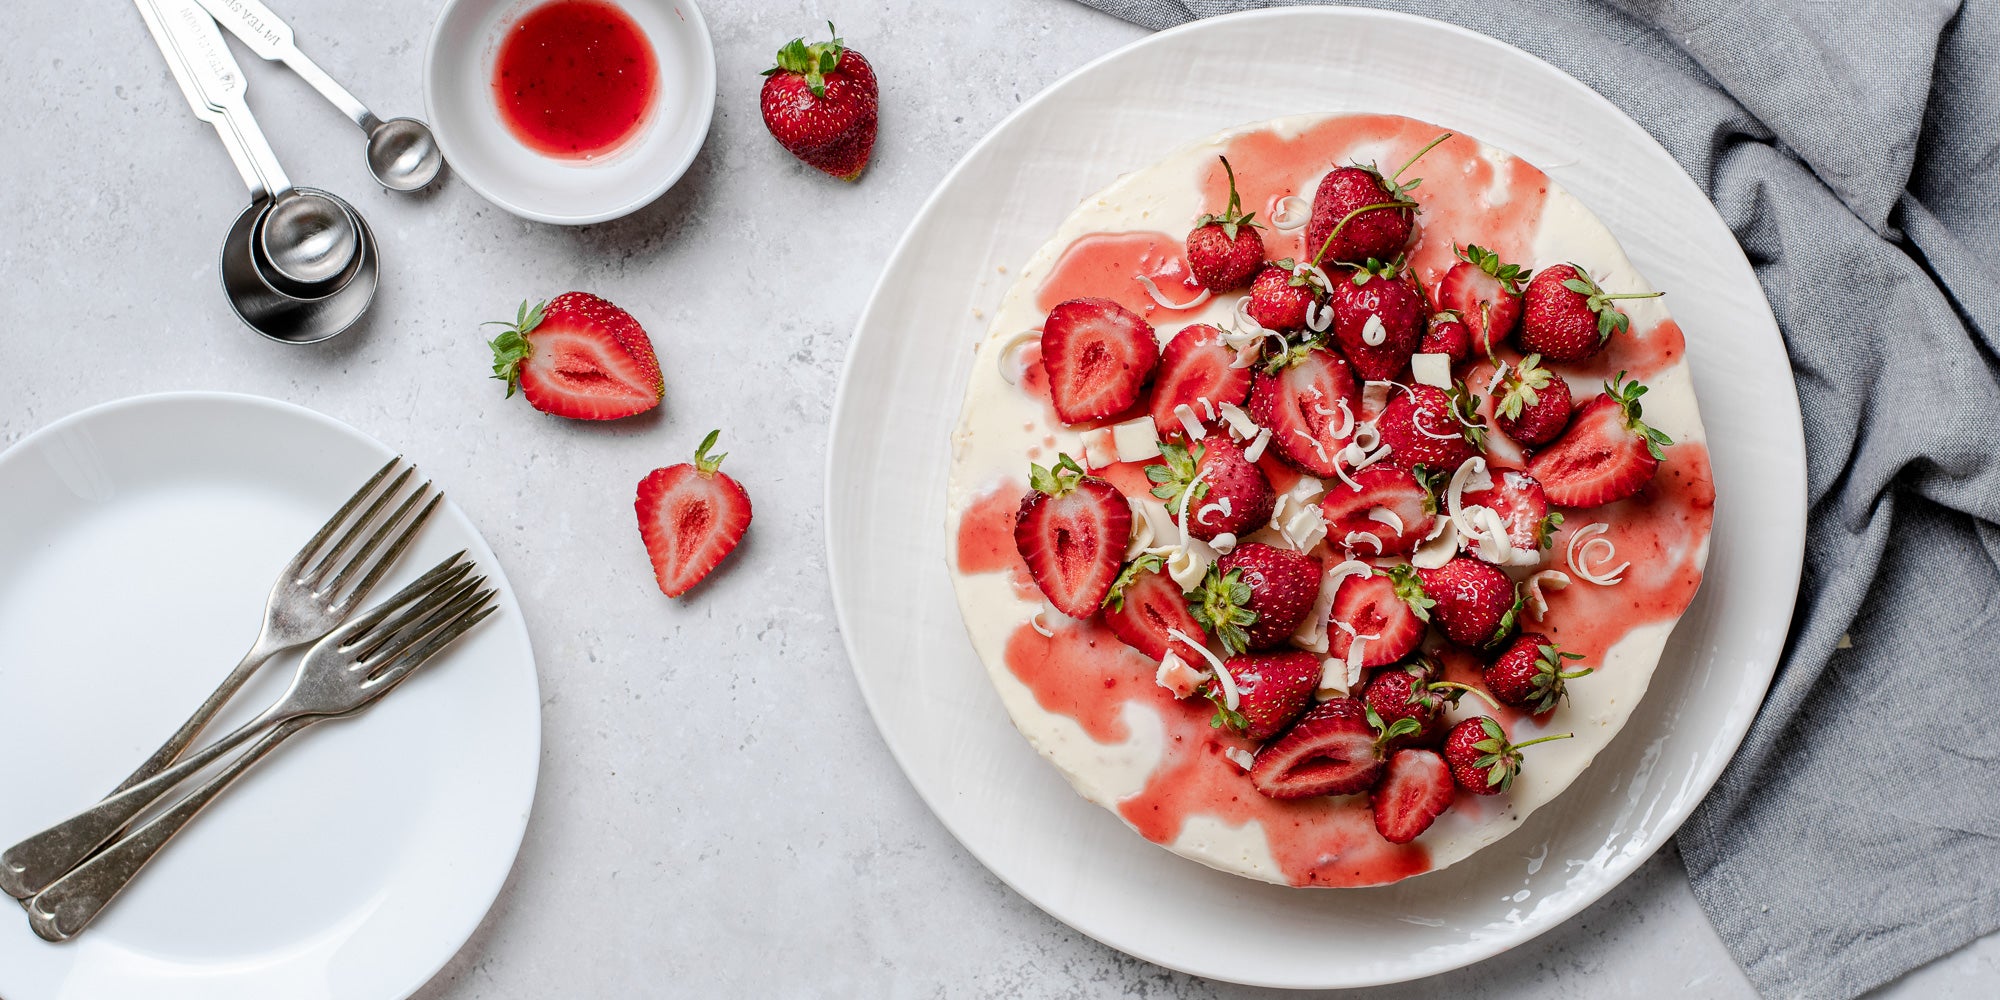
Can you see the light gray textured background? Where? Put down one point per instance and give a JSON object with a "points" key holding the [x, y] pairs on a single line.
{"points": [[716, 811]]}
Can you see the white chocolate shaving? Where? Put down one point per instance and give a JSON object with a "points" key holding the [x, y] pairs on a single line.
{"points": [[1165, 303], [1240, 757], [1189, 422], [1388, 517], [1580, 558], [1290, 212], [1177, 677], [1256, 449], [1373, 333], [1010, 371], [1230, 697], [1551, 579]]}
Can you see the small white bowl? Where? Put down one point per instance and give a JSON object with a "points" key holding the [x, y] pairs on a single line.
{"points": [[458, 96]]}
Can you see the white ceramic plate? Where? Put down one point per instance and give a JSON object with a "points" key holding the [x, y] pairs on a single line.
{"points": [[889, 459], [137, 542], [458, 98]]}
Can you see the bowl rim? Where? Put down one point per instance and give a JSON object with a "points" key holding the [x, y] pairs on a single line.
{"points": [[704, 107]]}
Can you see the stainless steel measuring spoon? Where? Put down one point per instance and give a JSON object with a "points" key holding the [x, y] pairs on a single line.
{"points": [[402, 153]]}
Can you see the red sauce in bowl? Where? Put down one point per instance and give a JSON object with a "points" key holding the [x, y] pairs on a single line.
{"points": [[575, 78]]}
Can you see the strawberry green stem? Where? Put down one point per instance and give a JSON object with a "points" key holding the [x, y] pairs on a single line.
{"points": [[1543, 739], [704, 463], [1349, 217], [1483, 696], [1412, 161]]}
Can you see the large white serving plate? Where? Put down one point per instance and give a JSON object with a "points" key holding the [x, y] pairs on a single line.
{"points": [[900, 395], [137, 542]]}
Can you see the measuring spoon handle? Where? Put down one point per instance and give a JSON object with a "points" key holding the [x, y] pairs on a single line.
{"points": [[215, 88], [271, 38]]}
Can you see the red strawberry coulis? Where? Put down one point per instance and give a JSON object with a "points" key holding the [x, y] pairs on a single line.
{"points": [[1104, 265]]}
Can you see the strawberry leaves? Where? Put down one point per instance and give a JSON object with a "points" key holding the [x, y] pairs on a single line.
{"points": [[814, 61], [1524, 386], [1148, 562], [1234, 217], [511, 347], [1177, 475], [1055, 481], [1410, 589], [1627, 398], [1610, 319], [1222, 607], [1510, 276]]}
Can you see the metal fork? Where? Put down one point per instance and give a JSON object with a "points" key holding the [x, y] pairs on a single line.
{"points": [[345, 671], [354, 667], [311, 596]]}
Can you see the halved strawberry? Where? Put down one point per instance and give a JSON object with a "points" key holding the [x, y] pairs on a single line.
{"points": [[1332, 750], [1474, 603], [1485, 292], [1196, 365], [1422, 427], [1256, 596], [1392, 505], [1231, 494], [1416, 789], [1072, 531], [1145, 605], [1378, 320], [690, 517], [1308, 398], [1607, 454], [1272, 690], [1098, 355], [1522, 505], [578, 356], [1387, 604]]}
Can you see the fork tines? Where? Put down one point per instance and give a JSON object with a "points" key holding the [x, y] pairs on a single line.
{"points": [[394, 637], [326, 566]]}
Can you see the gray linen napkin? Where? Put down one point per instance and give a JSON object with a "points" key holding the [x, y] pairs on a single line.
{"points": [[1854, 148]]}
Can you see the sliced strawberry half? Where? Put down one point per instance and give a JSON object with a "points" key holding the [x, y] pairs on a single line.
{"points": [[690, 517], [1485, 292], [1392, 506], [1072, 531], [1098, 355], [1196, 366], [1145, 607], [1331, 750], [1522, 505], [1387, 604], [578, 356], [1272, 690], [1308, 398], [1416, 789], [1607, 454]]}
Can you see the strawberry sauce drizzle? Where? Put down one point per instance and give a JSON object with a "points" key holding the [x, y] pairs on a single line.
{"points": [[1658, 532], [1106, 265], [986, 538], [1502, 213]]}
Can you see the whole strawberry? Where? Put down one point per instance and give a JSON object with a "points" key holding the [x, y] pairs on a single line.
{"points": [[1566, 317], [690, 517], [1422, 427], [1272, 690], [1530, 674], [1357, 213], [1474, 603], [819, 102], [1534, 403], [578, 356], [1224, 251], [1482, 761], [1231, 495], [1279, 298], [1447, 335], [1485, 292], [1412, 691], [1378, 320], [1256, 596]]}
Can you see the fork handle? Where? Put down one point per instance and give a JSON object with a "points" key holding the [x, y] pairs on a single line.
{"points": [[31, 865], [190, 730], [69, 904]]}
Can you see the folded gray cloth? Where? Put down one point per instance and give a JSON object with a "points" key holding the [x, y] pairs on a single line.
{"points": [[1854, 148]]}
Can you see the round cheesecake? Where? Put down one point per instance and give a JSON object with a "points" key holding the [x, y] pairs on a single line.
{"points": [[1100, 711]]}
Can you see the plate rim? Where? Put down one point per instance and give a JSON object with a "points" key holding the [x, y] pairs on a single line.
{"points": [[516, 832], [1732, 729]]}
